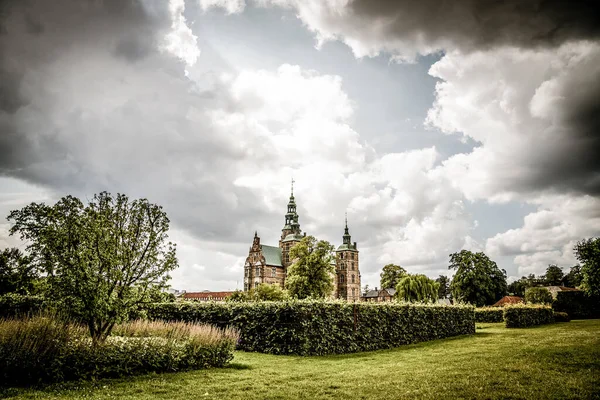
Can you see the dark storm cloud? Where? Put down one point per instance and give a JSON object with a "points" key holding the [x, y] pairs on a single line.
{"points": [[567, 155], [89, 102], [482, 24]]}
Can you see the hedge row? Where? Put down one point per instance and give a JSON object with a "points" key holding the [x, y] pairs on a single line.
{"points": [[561, 317], [489, 314], [317, 327], [524, 315], [577, 304], [45, 350]]}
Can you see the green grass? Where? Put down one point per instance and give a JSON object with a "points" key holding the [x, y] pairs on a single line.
{"points": [[554, 361]]}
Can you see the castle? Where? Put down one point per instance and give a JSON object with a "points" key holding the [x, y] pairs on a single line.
{"points": [[268, 264]]}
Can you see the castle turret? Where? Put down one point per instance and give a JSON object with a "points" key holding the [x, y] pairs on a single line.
{"points": [[291, 232], [347, 280]]}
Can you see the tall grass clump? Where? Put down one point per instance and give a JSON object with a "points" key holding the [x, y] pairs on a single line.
{"points": [[44, 349]]}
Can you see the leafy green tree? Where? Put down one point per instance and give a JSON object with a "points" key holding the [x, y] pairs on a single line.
{"points": [[103, 259], [268, 292], [444, 288], [238, 296], [391, 275], [554, 275], [311, 273], [477, 280], [365, 289], [587, 252], [17, 273], [539, 295], [417, 288], [574, 277], [517, 288]]}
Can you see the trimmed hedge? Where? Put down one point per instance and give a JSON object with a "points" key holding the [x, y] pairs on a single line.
{"points": [[489, 314], [318, 327], [14, 305], [561, 317], [577, 304], [524, 315]]}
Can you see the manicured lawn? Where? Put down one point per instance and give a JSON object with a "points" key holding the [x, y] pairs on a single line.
{"points": [[555, 361]]}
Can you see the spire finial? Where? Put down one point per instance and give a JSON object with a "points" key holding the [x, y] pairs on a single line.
{"points": [[346, 218], [293, 186], [255, 233]]}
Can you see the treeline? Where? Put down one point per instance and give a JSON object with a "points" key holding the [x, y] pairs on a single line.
{"points": [[479, 281]]}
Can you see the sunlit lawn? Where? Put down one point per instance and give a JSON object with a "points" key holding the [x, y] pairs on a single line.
{"points": [[555, 361]]}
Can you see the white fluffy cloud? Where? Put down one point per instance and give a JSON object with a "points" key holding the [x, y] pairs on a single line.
{"points": [[549, 234], [519, 105], [218, 153]]}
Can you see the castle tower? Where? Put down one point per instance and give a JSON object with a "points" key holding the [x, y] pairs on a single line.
{"points": [[347, 279], [291, 232]]}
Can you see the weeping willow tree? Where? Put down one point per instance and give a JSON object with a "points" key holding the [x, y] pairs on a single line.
{"points": [[417, 288]]}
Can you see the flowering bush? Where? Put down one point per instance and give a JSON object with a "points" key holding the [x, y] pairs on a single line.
{"points": [[46, 349]]}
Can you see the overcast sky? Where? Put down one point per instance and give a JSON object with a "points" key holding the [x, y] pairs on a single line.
{"points": [[437, 126]]}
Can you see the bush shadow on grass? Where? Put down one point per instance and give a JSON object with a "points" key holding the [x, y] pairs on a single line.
{"points": [[239, 366]]}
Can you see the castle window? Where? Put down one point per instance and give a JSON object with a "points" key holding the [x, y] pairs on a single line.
{"points": [[341, 278], [273, 272], [257, 271], [353, 291], [352, 280], [255, 285]]}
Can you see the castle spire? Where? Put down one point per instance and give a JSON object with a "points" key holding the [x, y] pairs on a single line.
{"points": [[291, 217], [346, 228], [346, 238]]}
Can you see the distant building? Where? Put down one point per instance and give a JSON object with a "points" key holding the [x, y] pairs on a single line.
{"points": [[206, 295], [269, 264], [378, 296], [508, 300], [554, 290]]}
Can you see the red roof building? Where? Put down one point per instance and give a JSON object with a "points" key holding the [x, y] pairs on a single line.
{"points": [[508, 300], [206, 296]]}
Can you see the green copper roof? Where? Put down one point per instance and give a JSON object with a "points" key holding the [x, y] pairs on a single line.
{"points": [[292, 237], [346, 247], [272, 255]]}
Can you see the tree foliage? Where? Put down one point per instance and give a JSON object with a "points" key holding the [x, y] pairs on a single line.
{"points": [[17, 273], [102, 259], [517, 288], [391, 275], [554, 275], [538, 295], [444, 287], [477, 280], [417, 288], [264, 292], [311, 273], [574, 277], [587, 252]]}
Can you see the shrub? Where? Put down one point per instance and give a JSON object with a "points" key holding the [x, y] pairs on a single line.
{"points": [[489, 314], [561, 317], [311, 327], [524, 315], [538, 295], [14, 305], [46, 349], [577, 304]]}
